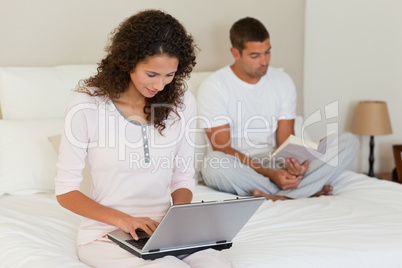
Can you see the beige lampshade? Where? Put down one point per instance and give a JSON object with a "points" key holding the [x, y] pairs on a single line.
{"points": [[372, 119]]}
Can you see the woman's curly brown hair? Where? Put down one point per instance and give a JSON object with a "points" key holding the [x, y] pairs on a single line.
{"points": [[148, 33]]}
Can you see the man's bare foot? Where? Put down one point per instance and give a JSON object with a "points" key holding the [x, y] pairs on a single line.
{"points": [[272, 197], [326, 190]]}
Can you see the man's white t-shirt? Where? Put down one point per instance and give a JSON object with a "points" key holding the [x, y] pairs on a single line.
{"points": [[251, 110]]}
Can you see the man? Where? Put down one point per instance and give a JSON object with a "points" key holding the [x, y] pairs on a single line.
{"points": [[248, 109]]}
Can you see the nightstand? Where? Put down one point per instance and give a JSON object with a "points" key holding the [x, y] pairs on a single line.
{"points": [[386, 176]]}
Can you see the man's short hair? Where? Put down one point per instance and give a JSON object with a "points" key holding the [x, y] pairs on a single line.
{"points": [[247, 30]]}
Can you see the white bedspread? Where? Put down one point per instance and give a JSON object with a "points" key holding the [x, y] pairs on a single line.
{"points": [[361, 226]]}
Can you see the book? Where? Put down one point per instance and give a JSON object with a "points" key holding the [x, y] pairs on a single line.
{"points": [[302, 149]]}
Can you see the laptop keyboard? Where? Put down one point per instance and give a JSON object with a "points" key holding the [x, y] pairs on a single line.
{"points": [[140, 243]]}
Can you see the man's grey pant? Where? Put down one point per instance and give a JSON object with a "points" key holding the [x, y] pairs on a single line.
{"points": [[227, 174]]}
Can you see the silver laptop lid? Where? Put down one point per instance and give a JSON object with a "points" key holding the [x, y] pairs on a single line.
{"points": [[202, 223]]}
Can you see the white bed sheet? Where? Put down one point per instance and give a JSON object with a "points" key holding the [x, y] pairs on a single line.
{"points": [[361, 226], [35, 231]]}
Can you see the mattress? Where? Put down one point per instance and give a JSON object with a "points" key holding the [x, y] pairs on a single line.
{"points": [[360, 226]]}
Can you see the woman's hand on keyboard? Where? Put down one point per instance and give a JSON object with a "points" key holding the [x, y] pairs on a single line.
{"points": [[130, 224]]}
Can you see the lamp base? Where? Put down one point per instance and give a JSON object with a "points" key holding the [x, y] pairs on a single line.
{"points": [[371, 157], [378, 176]]}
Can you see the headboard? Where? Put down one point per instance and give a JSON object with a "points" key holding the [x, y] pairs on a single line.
{"points": [[39, 92], [33, 101]]}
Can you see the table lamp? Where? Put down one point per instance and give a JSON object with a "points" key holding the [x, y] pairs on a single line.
{"points": [[372, 119]]}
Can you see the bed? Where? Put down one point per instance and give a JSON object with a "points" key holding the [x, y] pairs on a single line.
{"points": [[360, 226]]}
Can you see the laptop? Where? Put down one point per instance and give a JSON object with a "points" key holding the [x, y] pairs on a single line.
{"points": [[188, 228]]}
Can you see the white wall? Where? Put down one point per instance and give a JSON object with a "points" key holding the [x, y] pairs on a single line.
{"points": [[54, 32], [353, 52]]}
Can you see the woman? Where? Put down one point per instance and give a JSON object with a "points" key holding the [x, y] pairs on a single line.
{"points": [[129, 120]]}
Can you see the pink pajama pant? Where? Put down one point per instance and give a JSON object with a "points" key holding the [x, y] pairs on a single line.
{"points": [[105, 253]]}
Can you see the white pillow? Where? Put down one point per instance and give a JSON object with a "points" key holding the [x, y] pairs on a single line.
{"points": [[195, 81], [27, 158], [202, 146], [39, 92]]}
